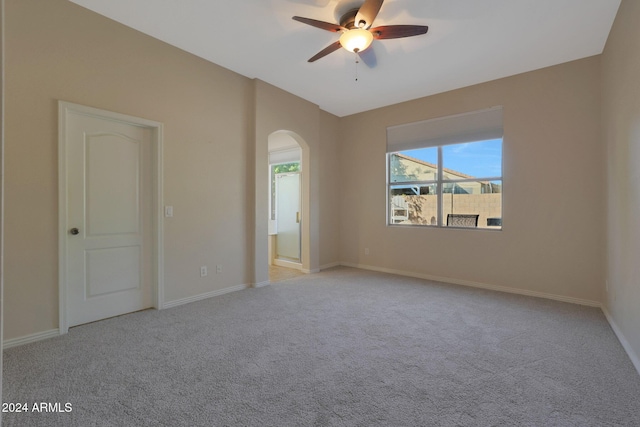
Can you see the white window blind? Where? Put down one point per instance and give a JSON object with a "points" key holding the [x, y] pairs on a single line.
{"points": [[466, 127]]}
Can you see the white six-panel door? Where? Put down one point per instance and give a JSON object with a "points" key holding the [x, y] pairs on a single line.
{"points": [[109, 234]]}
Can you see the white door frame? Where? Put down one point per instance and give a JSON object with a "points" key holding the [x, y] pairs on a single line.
{"points": [[157, 280]]}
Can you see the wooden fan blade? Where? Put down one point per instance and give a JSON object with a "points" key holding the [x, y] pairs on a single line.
{"points": [[368, 56], [326, 51], [398, 31], [367, 13], [335, 28]]}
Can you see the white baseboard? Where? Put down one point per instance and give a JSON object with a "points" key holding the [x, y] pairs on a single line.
{"points": [[625, 344], [330, 265], [27, 339], [206, 295], [261, 284], [287, 264], [294, 266], [39, 336], [477, 285]]}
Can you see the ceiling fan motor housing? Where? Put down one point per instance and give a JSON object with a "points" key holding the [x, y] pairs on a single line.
{"points": [[348, 20]]}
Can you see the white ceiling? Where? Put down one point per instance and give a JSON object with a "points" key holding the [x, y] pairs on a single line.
{"points": [[469, 42]]}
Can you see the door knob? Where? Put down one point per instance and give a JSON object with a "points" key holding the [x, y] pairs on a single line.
{"points": [[74, 231]]}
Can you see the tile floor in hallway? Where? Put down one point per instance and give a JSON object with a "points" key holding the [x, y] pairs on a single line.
{"points": [[278, 274]]}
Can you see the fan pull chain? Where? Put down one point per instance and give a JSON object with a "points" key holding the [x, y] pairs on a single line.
{"points": [[357, 62]]}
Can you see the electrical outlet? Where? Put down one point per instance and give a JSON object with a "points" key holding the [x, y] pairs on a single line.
{"points": [[218, 269], [366, 251], [203, 271]]}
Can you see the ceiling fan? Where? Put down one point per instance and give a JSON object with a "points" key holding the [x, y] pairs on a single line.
{"points": [[357, 34]]}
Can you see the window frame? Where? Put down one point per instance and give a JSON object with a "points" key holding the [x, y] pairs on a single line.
{"points": [[439, 184]]}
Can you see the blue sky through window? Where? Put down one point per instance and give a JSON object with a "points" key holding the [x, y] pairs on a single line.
{"points": [[478, 159]]}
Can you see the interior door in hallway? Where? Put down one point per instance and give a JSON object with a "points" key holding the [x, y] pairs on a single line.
{"points": [[288, 216], [109, 218]]}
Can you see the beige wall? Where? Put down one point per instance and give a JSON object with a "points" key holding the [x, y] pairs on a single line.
{"points": [[216, 128], [329, 190], [277, 110], [59, 51], [621, 132], [553, 217], [1, 183], [216, 125]]}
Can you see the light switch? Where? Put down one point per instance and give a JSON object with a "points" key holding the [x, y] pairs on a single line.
{"points": [[168, 211]]}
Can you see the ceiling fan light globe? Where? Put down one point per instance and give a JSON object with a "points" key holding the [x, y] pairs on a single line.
{"points": [[356, 40]]}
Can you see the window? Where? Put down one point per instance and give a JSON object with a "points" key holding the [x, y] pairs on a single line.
{"points": [[446, 172]]}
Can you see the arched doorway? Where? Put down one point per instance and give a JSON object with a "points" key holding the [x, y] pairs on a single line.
{"points": [[287, 217]]}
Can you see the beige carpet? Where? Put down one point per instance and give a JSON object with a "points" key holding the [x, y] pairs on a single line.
{"points": [[344, 347]]}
